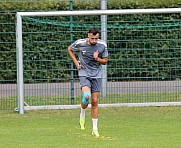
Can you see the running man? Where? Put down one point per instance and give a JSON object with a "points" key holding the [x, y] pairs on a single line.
{"points": [[92, 52]]}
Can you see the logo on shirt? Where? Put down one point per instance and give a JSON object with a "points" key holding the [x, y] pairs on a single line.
{"points": [[83, 52]]}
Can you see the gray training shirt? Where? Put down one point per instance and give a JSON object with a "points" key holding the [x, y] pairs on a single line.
{"points": [[89, 67]]}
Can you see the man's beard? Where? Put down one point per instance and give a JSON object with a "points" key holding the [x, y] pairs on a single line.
{"points": [[93, 44]]}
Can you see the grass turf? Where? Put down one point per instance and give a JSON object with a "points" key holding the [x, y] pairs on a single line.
{"points": [[134, 127]]}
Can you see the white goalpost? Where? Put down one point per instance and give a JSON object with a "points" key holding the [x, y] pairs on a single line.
{"points": [[19, 45]]}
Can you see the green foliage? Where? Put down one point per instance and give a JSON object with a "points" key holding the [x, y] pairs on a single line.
{"points": [[145, 48], [122, 64]]}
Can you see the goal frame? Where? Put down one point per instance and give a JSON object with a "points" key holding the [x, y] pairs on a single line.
{"points": [[19, 48]]}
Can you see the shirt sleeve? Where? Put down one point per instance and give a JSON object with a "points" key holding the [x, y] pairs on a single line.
{"points": [[105, 53], [74, 46]]}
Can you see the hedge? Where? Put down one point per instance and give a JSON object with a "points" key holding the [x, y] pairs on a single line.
{"points": [[8, 38]]}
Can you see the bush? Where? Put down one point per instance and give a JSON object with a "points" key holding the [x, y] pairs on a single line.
{"points": [[145, 68]]}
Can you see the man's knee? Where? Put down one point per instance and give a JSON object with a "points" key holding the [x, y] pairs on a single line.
{"points": [[86, 97], [94, 102]]}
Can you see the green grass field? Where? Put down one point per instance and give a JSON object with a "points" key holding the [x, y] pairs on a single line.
{"points": [[123, 127]]}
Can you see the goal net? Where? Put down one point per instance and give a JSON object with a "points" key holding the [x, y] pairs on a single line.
{"points": [[144, 65]]}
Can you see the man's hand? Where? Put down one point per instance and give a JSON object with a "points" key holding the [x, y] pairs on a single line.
{"points": [[96, 55], [78, 65]]}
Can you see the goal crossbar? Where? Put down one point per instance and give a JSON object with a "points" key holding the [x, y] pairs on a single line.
{"points": [[101, 12]]}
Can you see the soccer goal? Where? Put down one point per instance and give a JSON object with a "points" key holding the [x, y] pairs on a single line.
{"points": [[144, 66]]}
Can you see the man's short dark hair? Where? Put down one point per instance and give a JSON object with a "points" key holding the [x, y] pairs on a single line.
{"points": [[94, 31]]}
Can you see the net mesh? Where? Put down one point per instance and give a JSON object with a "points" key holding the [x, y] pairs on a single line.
{"points": [[144, 58]]}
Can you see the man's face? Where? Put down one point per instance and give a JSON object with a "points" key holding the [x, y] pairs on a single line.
{"points": [[93, 38]]}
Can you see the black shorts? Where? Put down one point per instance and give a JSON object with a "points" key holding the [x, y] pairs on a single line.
{"points": [[93, 83]]}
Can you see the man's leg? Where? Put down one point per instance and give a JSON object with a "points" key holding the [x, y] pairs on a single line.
{"points": [[84, 105], [94, 103]]}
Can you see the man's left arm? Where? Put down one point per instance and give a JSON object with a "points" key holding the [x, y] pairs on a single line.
{"points": [[102, 61]]}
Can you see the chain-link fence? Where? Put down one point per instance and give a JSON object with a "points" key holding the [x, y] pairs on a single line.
{"points": [[144, 64]]}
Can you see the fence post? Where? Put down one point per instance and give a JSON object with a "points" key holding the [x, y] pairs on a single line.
{"points": [[72, 64], [104, 37]]}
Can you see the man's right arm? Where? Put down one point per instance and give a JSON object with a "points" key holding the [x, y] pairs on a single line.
{"points": [[72, 56]]}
